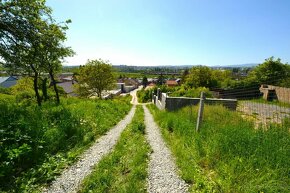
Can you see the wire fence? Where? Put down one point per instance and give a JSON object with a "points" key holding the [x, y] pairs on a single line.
{"points": [[265, 104]]}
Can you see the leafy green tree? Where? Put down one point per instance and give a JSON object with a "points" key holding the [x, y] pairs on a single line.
{"points": [[95, 77], [53, 51], [271, 71], [160, 80], [184, 75], [31, 41], [19, 36], [221, 78], [199, 76], [144, 81]]}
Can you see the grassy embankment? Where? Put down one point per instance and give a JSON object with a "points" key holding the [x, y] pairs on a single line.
{"points": [[124, 169], [227, 155], [36, 143]]}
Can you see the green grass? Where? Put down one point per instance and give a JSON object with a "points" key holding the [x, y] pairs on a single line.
{"points": [[124, 169], [227, 155], [274, 102], [37, 142]]}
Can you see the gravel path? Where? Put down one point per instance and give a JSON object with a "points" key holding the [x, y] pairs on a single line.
{"points": [[71, 178], [162, 170]]}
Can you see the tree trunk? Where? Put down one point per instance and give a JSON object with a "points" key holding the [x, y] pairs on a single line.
{"points": [[54, 87], [35, 86], [100, 94], [44, 89]]}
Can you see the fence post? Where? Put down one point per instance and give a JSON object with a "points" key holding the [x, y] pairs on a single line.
{"points": [[200, 111]]}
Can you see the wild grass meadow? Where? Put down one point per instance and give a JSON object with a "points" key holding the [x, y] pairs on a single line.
{"points": [[36, 142], [228, 154]]}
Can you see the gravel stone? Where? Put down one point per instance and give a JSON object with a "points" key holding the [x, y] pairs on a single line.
{"points": [[162, 170], [72, 177]]}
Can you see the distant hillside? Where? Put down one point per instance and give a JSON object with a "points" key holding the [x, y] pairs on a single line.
{"points": [[243, 65]]}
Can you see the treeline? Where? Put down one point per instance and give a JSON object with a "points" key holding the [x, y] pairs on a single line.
{"points": [[271, 71], [31, 43], [233, 85]]}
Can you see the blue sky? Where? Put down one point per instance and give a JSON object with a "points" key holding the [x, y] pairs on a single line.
{"points": [[176, 32]]}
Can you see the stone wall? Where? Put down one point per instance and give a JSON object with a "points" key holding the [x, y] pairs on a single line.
{"points": [[175, 103], [282, 94]]}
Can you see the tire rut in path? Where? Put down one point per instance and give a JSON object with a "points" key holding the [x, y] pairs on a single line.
{"points": [[162, 170], [72, 177]]}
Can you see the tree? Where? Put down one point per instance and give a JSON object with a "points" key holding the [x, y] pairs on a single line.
{"points": [[53, 52], [31, 41], [160, 80], [220, 78], [19, 36], [144, 81], [199, 76], [95, 77], [184, 75], [269, 72]]}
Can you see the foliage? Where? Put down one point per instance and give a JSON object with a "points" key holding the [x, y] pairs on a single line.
{"points": [[190, 92], [5, 90], [125, 169], [161, 79], [24, 91], [144, 96], [228, 154], [31, 42], [37, 142], [271, 71], [23, 84], [178, 91], [144, 81], [199, 76], [95, 77], [184, 75], [203, 76]]}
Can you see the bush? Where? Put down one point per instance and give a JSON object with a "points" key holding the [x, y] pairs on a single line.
{"points": [[190, 92], [5, 90], [144, 96]]}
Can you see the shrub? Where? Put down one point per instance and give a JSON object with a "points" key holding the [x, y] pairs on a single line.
{"points": [[190, 92], [5, 90], [144, 95]]}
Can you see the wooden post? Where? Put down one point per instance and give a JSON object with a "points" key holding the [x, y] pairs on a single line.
{"points": [[200, 111]]}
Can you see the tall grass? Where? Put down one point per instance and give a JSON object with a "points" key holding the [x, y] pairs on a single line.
{"points": [[125, 169], [36, 142], [228, 154]]}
